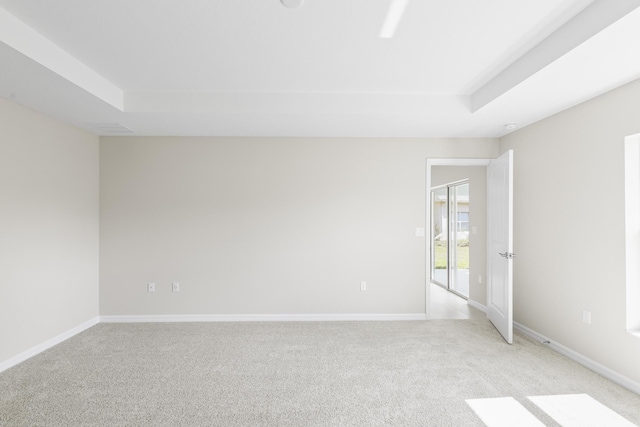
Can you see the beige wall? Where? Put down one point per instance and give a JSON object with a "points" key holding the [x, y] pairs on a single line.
{"points": [[571, 251], [266, 225], [285, 226], [477, 176], [48, 228], [293, 225]]}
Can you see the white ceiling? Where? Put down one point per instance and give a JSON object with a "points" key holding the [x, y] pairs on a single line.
{"points": [[454, 68]]}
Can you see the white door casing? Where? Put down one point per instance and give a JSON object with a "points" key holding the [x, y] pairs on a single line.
{"points": [[500, 244]]}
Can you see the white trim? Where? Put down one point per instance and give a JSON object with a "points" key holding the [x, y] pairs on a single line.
{"points": [[477, 305], [596, 367], [632, 230], [585, 24], [258, 318], [24, 39], [47, 344], [452, 161]]}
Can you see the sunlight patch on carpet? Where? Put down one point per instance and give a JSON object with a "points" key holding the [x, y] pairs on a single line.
{"points": [[503, 412], [579, 410]]}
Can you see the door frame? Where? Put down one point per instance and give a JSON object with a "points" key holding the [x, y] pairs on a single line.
{"points": [[430, 163]]}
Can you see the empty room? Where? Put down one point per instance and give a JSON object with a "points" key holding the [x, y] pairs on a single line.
{"points": [[320, 213]]}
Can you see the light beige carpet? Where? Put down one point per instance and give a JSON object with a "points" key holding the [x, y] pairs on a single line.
{"points": [[290, 374]]}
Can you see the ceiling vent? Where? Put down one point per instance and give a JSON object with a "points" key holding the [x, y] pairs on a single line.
{"points": [[110, 128]]}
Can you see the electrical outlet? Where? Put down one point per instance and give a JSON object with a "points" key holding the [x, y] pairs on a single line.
{"points": [[363, 286], [151, 287], [586, 317], [175, 287]]}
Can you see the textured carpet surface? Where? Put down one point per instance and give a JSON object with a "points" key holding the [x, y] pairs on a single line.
{"points": [[290, 374]]}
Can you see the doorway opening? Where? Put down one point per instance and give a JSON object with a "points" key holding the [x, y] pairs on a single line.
{"points": [[450, 229], [440, 171]]}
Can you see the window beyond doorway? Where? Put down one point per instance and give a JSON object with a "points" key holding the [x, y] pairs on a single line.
{"points": [[463, 221]]}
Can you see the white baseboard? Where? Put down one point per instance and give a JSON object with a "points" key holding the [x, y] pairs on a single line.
{"points": [[259, 318], [47, 344], [596, 367], [477, 305]]}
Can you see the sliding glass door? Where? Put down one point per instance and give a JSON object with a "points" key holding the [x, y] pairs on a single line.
{"points": [[439, 233], [459, 260], [450, 237]]}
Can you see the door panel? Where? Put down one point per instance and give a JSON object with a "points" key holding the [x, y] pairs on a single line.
{"points": [[500, 244]]}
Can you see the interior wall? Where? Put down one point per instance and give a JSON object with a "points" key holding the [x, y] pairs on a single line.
{"points": [[477, 176], [266, 225], [569, 227], [48, 228]]}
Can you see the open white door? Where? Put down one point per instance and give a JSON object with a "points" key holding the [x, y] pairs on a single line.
{"points": [[500, 244]]}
